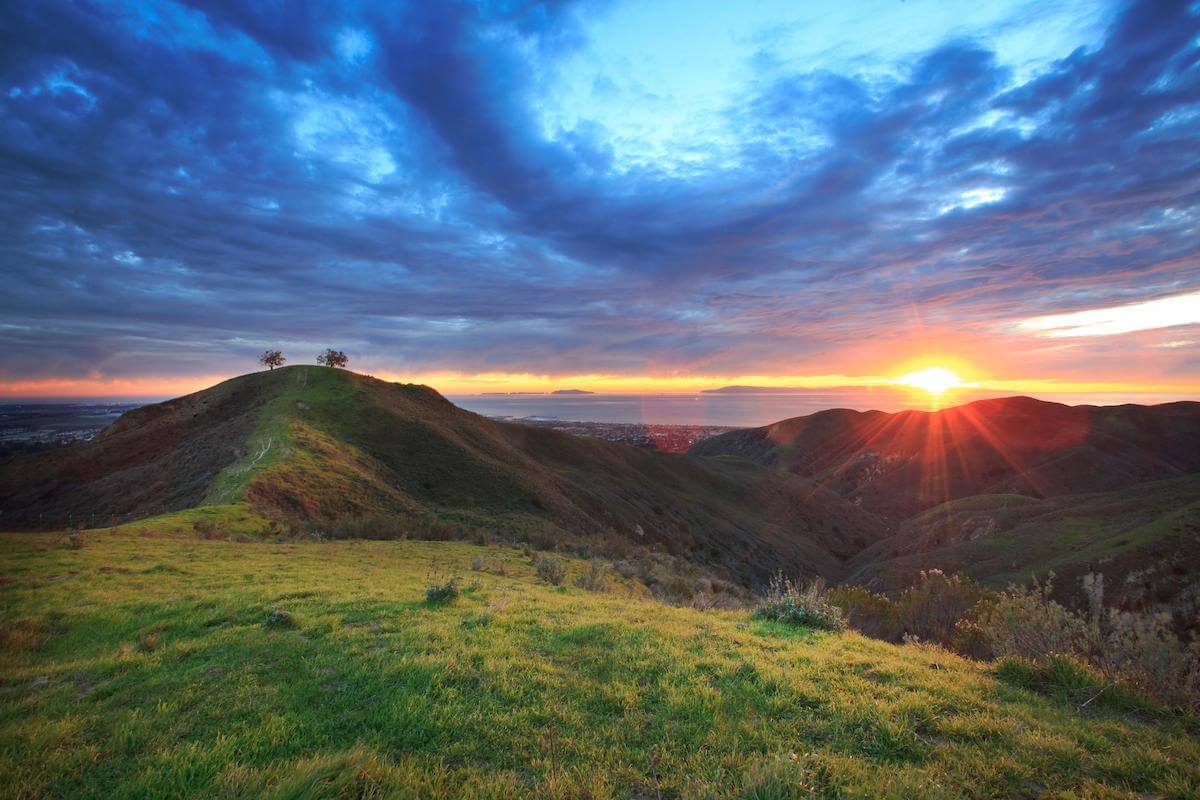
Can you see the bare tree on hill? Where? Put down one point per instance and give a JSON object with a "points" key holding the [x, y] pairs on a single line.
{"points": [[271, 359], [333, 358]]}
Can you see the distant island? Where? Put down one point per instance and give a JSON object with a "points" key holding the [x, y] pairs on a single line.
{"points": [[753, 390], [535, 394]]}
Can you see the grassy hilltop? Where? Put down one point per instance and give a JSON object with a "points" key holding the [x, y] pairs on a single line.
{"points": [[155, 665], [312, 445]]}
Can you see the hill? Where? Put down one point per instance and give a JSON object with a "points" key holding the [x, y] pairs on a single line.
{"points": [[1008, 490], [161, 666], [1144, 540], [903, 463], [311, 444]]}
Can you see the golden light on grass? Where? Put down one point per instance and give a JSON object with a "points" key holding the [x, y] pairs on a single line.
{"points": [[935, 380]]}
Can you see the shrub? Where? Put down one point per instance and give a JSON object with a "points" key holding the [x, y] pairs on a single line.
{"points": [[1028, 624], [868, 613], [1139, 651], [596, 579], [1143, 650], [809, 606], [446, 592], [552, 570], [205, 528], [932, 609]]}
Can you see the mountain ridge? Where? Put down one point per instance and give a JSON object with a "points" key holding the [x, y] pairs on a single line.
{"points": [[901, 463]]}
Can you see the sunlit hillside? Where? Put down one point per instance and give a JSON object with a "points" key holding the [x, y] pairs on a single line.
{"points": [[156, 665]]}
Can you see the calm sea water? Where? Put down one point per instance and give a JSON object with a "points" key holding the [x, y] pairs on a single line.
{"points": [[692, 409], [746, 410]]}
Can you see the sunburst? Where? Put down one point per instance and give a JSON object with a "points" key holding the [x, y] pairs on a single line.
{"points": [[935, 380]]}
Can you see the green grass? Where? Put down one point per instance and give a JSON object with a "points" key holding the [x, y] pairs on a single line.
{"points": [[273, 439], [157, 666], [1033, 537], [232, 519]]}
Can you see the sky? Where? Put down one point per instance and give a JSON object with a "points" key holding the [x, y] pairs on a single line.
{"points": [[649, 195]]}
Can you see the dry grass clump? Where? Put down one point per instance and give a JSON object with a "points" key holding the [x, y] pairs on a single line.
{"points": [[807, 605], [551, 570], [493, 565], [597, 578], [677, 581], [784, 777], [22, 635], [207, 529], [932, 610]]}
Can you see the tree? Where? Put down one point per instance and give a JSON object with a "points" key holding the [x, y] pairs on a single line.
{"points": [[332, 358], [271, 359]]}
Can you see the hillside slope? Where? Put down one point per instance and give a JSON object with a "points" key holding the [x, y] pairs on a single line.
{"points": [[901, 464], [315, 444], [1144, 540], [173, 667]]}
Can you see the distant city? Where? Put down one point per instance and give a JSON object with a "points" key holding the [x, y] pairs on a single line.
{"points": [[30, 427]]}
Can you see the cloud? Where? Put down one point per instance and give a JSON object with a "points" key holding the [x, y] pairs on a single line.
{"points": [[1166, 312], [186, 184]]}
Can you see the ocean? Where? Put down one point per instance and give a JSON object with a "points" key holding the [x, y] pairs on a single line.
{"points": [[737, 410], [748, 409]]}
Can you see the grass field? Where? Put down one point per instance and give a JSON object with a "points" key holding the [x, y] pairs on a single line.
{"points": [[159, 665]]}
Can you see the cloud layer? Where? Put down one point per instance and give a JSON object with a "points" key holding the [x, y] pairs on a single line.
{"points": [[184, 184]]}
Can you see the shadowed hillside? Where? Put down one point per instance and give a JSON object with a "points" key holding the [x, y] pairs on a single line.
{"points": [[1144, 540], [903, 463], [310, 443], [1008, 490]]}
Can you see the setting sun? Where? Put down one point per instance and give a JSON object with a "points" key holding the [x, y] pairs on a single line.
{"points": [[934, 380]]}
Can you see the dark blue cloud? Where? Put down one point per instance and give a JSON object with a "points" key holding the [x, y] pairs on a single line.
{"points": [[185, 184]]}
